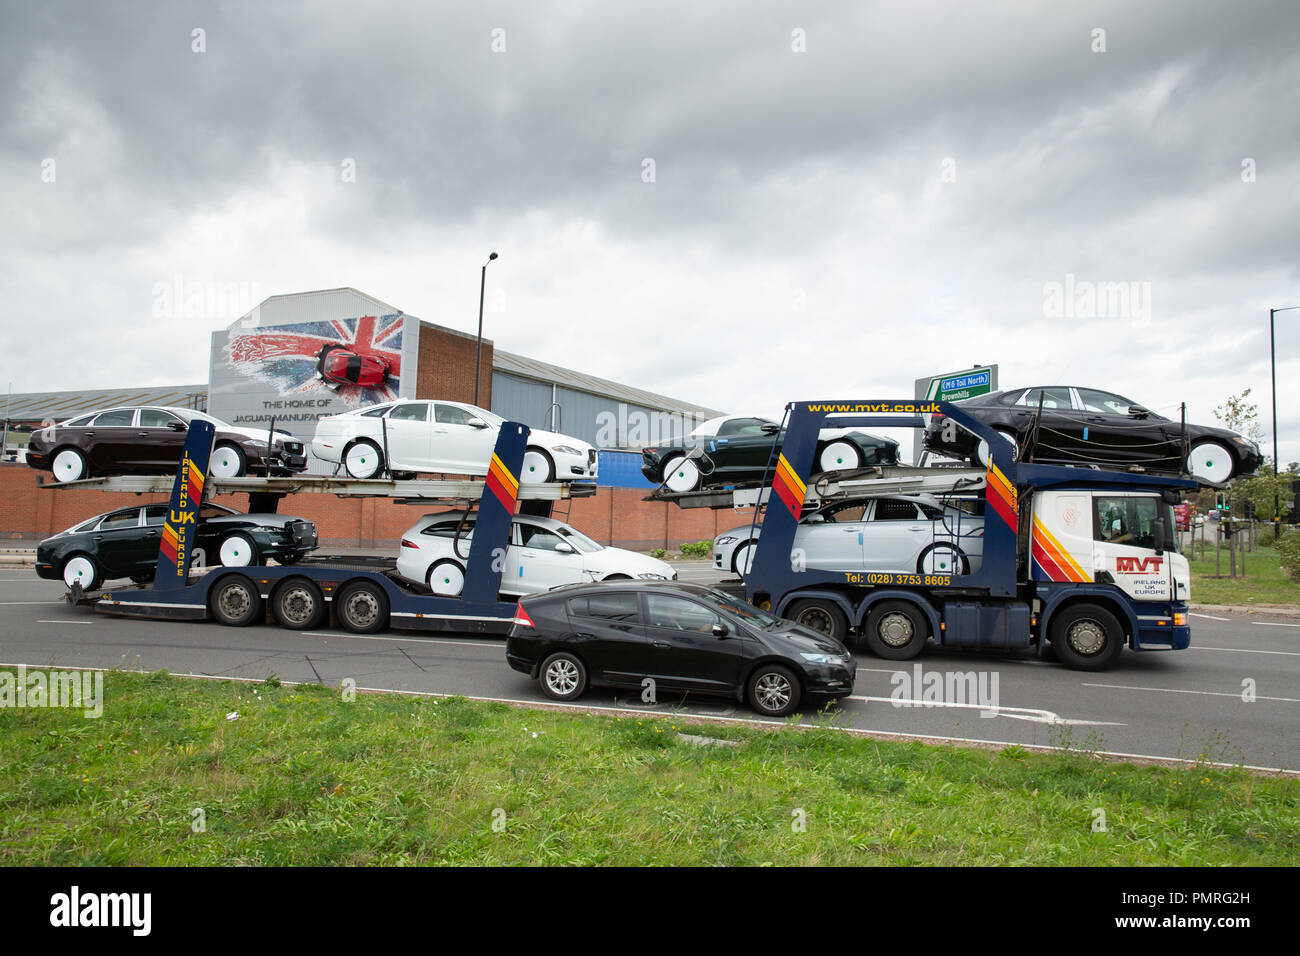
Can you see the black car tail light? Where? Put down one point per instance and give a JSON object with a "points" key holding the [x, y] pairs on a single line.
{"points": [[521, 617]]}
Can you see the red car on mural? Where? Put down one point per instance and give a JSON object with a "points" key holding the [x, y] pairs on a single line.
{"points": [[338, 366]]}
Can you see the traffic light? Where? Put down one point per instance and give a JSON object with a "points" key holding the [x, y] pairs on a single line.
{"points": [[1220, 501]]}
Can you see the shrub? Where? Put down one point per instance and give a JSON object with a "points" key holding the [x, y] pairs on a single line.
{"points": [[697, 549], [1288, 549]]}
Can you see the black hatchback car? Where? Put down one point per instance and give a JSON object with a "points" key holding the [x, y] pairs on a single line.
{"points": [[683, 637], [124, 543]]}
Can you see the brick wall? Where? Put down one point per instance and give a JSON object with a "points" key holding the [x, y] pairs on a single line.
{"points": [[446, 367], [614, 516]]}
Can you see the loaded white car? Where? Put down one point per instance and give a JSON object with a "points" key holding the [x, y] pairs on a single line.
{"points": [[543, 554], [909, 534], [440, 437]]}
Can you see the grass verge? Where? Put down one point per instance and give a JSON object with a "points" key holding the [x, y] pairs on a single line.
{"points": [[1264, 583], [303, 777]]}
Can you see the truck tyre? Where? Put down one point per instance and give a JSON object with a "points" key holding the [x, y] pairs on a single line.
{"points": [[361, 607], [298, 604], [820, 615], [235, 602], [1086, 637], [896, 630]]}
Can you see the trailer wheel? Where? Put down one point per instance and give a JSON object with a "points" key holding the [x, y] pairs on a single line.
{"points": [[563, 676], [1086, 637], [362, 607], [235, 602], [896, 630], [773, 690], [824, 617], [298, 604]]}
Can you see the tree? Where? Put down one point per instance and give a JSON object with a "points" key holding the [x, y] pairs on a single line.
{"points": [[1241, 416]]}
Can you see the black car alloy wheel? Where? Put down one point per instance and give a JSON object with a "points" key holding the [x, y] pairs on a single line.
{"points": [[773, 690]]}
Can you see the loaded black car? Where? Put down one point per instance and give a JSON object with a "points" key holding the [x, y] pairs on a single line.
{"points": [[124, 543], [685, 638], [1086, 426], [150, 439], [727, 451]]}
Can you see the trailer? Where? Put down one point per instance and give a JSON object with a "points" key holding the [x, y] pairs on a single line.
{"points": [[1057, 567], [364, 595]]}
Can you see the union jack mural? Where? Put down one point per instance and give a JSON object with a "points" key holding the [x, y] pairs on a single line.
{"points": [[304, 357]]}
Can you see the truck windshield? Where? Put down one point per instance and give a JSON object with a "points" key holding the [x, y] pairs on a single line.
{"points": [[1132, 519]]}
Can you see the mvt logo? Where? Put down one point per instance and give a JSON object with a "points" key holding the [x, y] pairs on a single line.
{"points": [[1134, 565]]}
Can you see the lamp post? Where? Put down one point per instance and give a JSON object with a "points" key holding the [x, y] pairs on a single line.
{"points": [[478, 352], [1272, 367]]}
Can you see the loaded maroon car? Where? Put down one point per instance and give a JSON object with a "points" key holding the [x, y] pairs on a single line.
{"points": [[150, 439], [341, 366]]}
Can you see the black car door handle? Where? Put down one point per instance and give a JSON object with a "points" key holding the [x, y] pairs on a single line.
{"points": [[660, 644]]}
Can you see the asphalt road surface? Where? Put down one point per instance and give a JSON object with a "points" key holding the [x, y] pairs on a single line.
{"points": [[1187, 704]]}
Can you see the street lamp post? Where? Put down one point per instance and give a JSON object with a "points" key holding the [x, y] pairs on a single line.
{"points": [[478, 352], [1272, 366]]}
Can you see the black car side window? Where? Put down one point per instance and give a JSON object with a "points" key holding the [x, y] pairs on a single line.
{"points": [[155, 515], [891, 509], [119, 416], [156, 418], [618, 607], [665, 610], [122, 519]]}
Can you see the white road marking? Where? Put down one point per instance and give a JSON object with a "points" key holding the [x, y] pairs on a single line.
{"points": [[87, 623], [401, 640], [1244, 650], [18, 603], [1202, 693], [1273, 624], [1209, 617], [1031, 714]]}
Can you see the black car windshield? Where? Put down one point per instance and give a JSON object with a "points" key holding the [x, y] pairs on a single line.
{"points": [[738, 608]]}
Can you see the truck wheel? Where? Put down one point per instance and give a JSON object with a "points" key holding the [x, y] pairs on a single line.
{"points": [[824, 617], [896, 630], [1086, 637], [563, 676], [773, 690], [362, 607], [298, 604], [235, 601]]}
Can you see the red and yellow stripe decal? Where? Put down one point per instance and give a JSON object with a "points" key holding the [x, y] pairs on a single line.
{"points": [[1002, 497], [788, 487], [170, 543], [195, 483], [1054, 559], [502, 484]]}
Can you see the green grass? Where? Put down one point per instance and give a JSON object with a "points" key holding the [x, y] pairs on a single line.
{"points": [[1264, 582], [303, 777]]}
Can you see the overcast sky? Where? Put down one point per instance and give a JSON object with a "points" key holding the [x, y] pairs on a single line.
{"points": [[844, 196]]}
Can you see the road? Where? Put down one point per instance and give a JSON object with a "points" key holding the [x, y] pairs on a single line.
{"points": [[1187, 704]]}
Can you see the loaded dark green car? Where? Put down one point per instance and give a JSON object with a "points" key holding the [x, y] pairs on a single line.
{"points": [[124, 543], [735, 451]]}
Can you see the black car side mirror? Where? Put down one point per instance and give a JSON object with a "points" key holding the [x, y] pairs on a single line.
{"points": [[1137, 411], [721, 630], [771, 429], [177, 426]]}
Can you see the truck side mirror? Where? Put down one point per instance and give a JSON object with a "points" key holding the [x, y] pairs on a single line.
{"points": [[1161, 529]]}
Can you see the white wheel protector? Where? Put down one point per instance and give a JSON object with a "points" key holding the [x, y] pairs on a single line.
{"points": [[941, 561], [682, 475], [983, 452], [744, 558], [838, 455], [225, 463], [236, 552], [534, 470], [68, 466], [78, 569], [1210, 461], [362, 460], [447, 579]]}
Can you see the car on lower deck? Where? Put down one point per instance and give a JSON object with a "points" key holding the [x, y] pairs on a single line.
{"points": [[685, 638], [909, 534], [124, 543], [150, 439], [543, 553]]}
